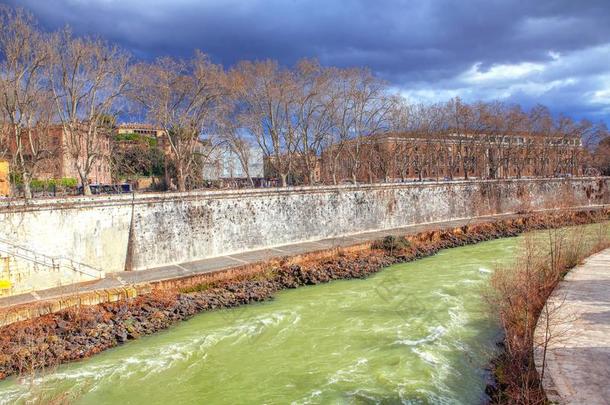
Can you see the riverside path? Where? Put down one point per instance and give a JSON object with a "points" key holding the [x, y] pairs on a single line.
{"points": [[577, 369]]}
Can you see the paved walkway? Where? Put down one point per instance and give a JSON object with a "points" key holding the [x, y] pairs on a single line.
{"points": [[117, 280], [578, 355]]}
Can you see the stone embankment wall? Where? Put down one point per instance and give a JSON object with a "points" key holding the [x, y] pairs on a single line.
{"points": [[53, 332], [26, 276], [117, 233]]}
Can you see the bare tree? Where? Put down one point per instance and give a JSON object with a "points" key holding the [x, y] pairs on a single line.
{"points": [[493, 140], [364, 109], [269, 96], [88, 78], [181, 97], [601, 156], [404, 140], [474, 142], [541, 125], [231, 123], [231, 133], [419, 129], [454, 131], [314, 110], [590, 136], [4, 136], [23, 92], [514, 121]]}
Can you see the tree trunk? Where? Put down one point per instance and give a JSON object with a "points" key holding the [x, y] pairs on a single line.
{"points": [[27, 190], [166, 178], [181, 181], [334, 170], [25, 174], [86, 187], [84, 182], [283, 177], [180, 176]]}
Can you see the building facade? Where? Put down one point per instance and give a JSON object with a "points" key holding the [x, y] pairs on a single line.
{"points": [[5, 185], [58, 154], [401, 156], [146, 130], [224, 163], [300, 169]]}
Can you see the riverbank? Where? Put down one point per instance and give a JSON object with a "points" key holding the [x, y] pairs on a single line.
{"points": [[530, 324], [81, 332], [575, 361]]}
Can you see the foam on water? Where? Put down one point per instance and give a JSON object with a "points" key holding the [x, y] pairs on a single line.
{"points": [[435, 333]]}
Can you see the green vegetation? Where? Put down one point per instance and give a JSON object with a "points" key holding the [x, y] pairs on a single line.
{"points": [[133, 137], [46, 184], [136, 155], [66, 182]]}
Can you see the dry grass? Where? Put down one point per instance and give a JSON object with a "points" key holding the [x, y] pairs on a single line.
{"points": [[518, 295]]}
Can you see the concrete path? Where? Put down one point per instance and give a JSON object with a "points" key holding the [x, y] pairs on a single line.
{"points": [[117, 280], [578, 355]]}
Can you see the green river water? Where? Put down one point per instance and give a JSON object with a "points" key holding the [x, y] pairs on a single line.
{"points": [[413, 333]]}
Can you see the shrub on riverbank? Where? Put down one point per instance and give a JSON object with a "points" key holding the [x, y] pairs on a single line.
{"points": [[518, 295], [81, 332], [391, 244]]}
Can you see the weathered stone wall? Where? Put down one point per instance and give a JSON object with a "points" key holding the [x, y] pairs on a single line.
{"points": [[25, 275], [138, 232]]}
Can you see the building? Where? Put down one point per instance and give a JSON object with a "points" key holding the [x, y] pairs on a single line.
{"points": [[299, 165], [55, 160], [147, 130], [223, 163], [5, 184], [401, 156]]}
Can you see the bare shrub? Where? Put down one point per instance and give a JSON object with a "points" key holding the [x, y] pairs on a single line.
{"points": [[391, 244], [518, 295]]}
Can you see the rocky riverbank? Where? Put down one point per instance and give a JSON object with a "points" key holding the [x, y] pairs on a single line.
{"points": [[82, 332]]}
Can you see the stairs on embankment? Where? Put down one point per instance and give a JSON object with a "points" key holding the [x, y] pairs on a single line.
{"points": [[24, 270]]}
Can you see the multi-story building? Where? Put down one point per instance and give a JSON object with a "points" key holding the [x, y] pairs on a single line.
{"points": [[147, 130], [400, 156], [224, 163], [56, 156], [302, 169], [5, 186]]}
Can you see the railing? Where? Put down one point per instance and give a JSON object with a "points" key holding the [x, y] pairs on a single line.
{"points": [[52, 262]]}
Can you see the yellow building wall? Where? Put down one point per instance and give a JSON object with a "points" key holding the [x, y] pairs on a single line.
{"points": [[5, 185]]}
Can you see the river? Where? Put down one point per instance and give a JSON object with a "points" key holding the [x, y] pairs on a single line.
{"points": [[413, 333]]}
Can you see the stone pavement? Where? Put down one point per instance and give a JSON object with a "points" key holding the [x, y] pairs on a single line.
{"points": [[578, 355], [179, 270]]}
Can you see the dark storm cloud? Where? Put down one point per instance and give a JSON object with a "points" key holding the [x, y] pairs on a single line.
{"points": [[554, 51]]}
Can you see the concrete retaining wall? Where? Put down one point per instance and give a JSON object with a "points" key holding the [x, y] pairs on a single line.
{"points": [[115, 233]]}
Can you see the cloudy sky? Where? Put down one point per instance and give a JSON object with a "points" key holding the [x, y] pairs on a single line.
{"points": [[552, 52]]}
